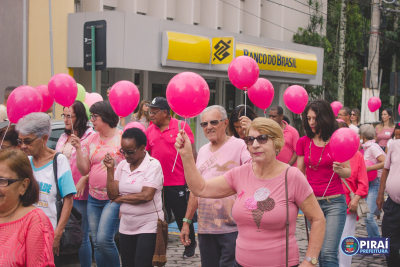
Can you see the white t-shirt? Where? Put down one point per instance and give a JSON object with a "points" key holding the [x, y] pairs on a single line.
{"points": [[3, 113], [354, 128], [47, 186]]}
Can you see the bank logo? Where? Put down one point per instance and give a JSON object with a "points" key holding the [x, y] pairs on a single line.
{"points": [[221, 50], [351, 246]]}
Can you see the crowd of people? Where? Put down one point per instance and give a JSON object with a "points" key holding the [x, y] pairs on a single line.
{"points": [[245, 187]]}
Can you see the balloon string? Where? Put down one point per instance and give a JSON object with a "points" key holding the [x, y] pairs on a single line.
{"points": [[265, 113], [176, 157], [4, 136], [72, 125], [245, 101]]}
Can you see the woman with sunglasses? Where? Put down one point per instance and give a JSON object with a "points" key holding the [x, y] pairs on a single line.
{"points": [[238, 122], [136, 185], [103, 215], [76, 116], [260, 208], [34, 131], [26, 233], [355, 117], [324, 174]]}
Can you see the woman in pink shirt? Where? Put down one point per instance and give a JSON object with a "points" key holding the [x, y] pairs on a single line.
{"points": [[26, 233], [323, 173], [385, 129], [260, 208]]}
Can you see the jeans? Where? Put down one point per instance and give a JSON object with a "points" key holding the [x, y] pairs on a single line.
{"points": [[391, 229], [137, 250], [335, 211], [85, 252], [370, 223], [217, 250], [236, 264], [103, 222]]}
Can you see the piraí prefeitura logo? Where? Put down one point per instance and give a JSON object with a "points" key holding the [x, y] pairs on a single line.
{"points": [[351, 245]]}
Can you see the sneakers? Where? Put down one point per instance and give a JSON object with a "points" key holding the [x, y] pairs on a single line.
{"points": [[190, 250]]}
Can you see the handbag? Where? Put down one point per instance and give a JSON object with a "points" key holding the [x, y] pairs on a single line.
{"points": [[160, 252], [71, 238], [362, 208], [287, 218]]}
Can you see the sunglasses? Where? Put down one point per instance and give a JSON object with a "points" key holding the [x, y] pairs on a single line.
{"points": [[26, 142], [353, 114], [213, 123], [261, 139], [6, 182], [127, 152]]}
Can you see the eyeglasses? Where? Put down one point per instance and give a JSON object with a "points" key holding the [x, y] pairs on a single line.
{"points": [[261, 139], [67, 116], [94, 117], [4, 182], [5, 147], [213, 123], [127, 152], [155, 113], [26, 142]]}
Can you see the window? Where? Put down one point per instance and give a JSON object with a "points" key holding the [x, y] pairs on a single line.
{"points": [[170, 19], [137, 79], [108, 8]]}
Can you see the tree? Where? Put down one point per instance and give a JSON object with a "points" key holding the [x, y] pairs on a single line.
{"points": [[342, 47]]}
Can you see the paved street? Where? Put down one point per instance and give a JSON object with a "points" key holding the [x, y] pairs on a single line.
{"points": [[175, 250]]}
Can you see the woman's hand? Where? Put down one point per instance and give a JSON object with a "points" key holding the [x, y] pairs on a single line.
{"points": [[75, 141], [56, 244], [81, 185], [183, 144], [353, 205], [245, 123], [337, 167], [109, 161], [118, 200]]}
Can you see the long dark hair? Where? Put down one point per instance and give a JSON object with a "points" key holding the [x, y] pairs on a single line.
{"points": [[236, 114], [325, 120], [397, 127], [391, 120], [141, 112], [80, 125]]}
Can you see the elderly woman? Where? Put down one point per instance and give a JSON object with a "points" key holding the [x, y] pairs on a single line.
{"points": [[10, 140], [136, 185], [324, 174], [103, 215], [374, 153], [260, 208], [34, 131], [26, 233], [238, 122], [76, 116]]}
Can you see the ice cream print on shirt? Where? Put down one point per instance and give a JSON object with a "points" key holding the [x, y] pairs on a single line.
{"points": [[259, 203]]}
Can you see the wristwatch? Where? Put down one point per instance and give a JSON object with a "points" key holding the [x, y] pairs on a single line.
{"points": [[187, 220], [313, 261]]}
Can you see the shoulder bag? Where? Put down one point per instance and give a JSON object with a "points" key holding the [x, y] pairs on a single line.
{"points": [[71, 238], [362, 208]]}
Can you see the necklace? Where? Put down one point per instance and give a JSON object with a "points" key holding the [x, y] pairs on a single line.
{"points": [[310, 165], [209, 149], [9, 217]]}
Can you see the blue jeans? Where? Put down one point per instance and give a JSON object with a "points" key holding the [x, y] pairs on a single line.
{"points": [[370, 223], [335, 215], [103, 223], [85, 252]]}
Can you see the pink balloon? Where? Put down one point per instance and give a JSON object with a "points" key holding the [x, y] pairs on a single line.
{"points": [[23, 101], [135, 124], [86, 94], [336, 106], [92, 98], [63, 89], [374, 103], [371, 174], [124, 98], [188, 94], [243, 72], [344, 144], [295, 98], [262, 93], [47, 99]]}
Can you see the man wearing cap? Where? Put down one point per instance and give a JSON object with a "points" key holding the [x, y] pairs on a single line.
{"points": [[161, 137]]}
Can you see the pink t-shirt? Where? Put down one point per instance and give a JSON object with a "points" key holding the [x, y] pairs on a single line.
{"points": [[260, 214], [27, 241], [62, 147], [371, 152], [393, 163], [139, 219], [161, 146], [215, 215], [291, 136], [319, 179], [96, 149], [384, 136]]}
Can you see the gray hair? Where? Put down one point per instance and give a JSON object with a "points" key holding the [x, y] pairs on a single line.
{"points": [[36, 123], [221, 109], [368, 131]]}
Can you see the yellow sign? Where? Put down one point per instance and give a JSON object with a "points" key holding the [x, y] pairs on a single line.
{"points": [[222, 50], [188, 48], [272, 59]]}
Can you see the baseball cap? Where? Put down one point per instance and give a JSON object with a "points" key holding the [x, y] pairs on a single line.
{"points": [[159, 102]]}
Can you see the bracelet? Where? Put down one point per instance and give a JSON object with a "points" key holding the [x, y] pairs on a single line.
{"points": [[187, 220]]}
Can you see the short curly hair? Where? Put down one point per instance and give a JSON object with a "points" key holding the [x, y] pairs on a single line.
{"points": [[268, 127]]}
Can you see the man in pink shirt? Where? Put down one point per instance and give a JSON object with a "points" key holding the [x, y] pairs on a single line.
{"points": [[288, 153], [217, 231], [161, 137]]}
